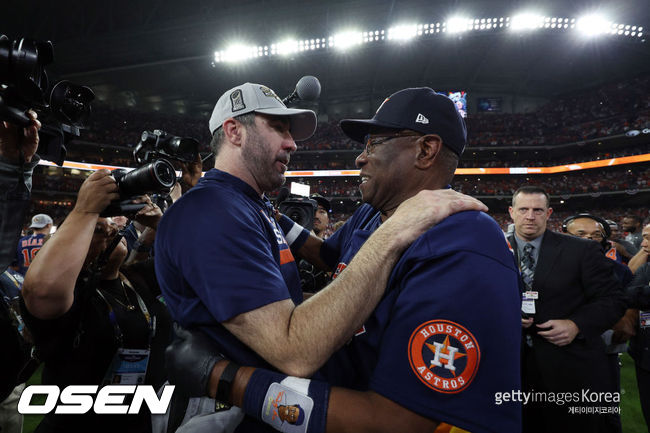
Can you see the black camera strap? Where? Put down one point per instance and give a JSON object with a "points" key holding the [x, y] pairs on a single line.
{"points": [[92, 282]]}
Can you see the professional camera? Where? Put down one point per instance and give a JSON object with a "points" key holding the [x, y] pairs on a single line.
{"points": [[157, 144], [312, 279], [24, 84], [300, 209], [158, 176]]}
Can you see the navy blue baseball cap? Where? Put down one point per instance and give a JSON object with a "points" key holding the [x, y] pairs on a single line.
{"points": [[419, 109]]}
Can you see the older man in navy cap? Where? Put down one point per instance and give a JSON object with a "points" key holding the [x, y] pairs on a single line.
{"points": [[432, 350]]}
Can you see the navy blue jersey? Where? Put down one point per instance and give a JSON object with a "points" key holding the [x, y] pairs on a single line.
{"points": [[28, 246], [445, 338], [220, 253]]}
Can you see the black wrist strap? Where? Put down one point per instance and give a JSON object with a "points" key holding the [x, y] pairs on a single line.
{"points": [[225, 385]]}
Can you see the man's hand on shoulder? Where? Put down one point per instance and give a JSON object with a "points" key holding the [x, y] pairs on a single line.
{"points": [[427, 208], [559, 332]]}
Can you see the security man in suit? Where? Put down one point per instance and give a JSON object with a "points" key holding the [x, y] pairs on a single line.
{"points": [[571, 296]]}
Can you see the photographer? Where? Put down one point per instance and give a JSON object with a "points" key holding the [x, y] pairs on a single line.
{"points": [[85, 317], [321, 216], [17, 161]]}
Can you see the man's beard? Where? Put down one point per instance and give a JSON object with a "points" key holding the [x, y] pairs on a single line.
{"points": [[261, 163]]}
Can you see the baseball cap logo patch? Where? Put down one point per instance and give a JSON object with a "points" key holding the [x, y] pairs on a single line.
{"points": [[237, 100], [270, 93], [421, 119], [444, 355]]}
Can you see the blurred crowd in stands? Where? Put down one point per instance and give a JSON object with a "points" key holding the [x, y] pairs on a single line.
{"points": [[610, 110]]}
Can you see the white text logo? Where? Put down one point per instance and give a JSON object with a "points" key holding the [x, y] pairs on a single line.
{"points": [[78, 399]]}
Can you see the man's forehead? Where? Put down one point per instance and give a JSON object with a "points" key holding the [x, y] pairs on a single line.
{"points": [[530, 199], [586, 223]]}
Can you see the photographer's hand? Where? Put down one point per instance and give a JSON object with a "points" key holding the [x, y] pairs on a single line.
{"points": [[96, 193], [150, 214], [14, 139]]}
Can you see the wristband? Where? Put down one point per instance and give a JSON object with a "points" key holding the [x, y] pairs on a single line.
{"points": [[295, 234], [222, 397], [286, 403]]}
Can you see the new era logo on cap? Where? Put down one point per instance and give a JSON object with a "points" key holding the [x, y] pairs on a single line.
{"points": [[418, 109], [251, 97]]}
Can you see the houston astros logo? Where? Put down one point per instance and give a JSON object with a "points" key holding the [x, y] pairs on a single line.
{"points": [[444, 355]]}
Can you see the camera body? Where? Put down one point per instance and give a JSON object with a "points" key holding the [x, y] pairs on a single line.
{"points": [[300, 209], [156, 177], [24, 84], [159, 144]]}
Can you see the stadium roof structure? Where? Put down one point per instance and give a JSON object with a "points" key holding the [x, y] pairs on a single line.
{"points": [[159, 55]]}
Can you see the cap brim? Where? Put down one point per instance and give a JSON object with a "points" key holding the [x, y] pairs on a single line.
{"points": [[357, 129], [303, 122], [37, 226], [322, 201]]}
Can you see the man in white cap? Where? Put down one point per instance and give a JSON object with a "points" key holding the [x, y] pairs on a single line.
{"points": [[225, 265], [28, 246]]}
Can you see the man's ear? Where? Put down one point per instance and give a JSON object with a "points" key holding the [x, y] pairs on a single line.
{"points": [[233, 131], [428, 147]]}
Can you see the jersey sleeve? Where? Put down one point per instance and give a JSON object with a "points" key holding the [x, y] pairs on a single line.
{"points": [[224, 254], [333, 247], [453, 342]]}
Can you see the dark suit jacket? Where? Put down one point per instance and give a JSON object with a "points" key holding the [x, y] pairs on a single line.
{"points": [[639, 297], [574, 281]]}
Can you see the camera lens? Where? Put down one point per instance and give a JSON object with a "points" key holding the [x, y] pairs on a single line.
{"points": [[164, 173], [157, 176]]}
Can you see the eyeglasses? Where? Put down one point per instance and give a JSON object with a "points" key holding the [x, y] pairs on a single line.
{"points": [[371, 141]]}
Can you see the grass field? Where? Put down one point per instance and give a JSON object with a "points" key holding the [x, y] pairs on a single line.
{"points": [[631, 415]]}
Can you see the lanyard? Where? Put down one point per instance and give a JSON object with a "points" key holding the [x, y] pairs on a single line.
{"points": [[151, 320]]}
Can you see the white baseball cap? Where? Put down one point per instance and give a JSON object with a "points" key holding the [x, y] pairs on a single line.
{"points": [[41, 220], [251, 97]]}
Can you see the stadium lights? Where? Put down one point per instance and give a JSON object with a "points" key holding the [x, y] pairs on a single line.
{"points": [[285, 47], [236, 53], [347, 39], [403, 32], [459, 24], [526, 21], [593, 25]]}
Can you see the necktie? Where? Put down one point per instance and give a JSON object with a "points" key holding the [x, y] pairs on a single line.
{"points": [[528, 266]]}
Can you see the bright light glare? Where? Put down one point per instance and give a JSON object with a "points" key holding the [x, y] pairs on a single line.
{"points": [[348, 39], [286, 47], [526, 21], [402, 33], [593, 25], [458, 24], [238, 53]]}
